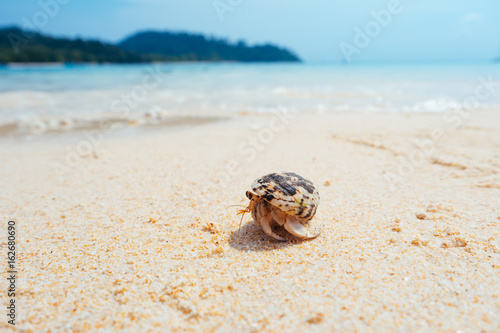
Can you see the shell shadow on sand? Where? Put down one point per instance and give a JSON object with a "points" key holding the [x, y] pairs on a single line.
{"points": [[252, 238]]}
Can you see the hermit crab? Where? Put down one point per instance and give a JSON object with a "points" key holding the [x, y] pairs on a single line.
{"points": [[284, 200]]}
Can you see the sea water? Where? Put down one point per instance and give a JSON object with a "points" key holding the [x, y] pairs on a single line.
{"points": [[37, 92]]}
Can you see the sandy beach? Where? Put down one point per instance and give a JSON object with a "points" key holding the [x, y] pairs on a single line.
{"points": [[136, 233]]}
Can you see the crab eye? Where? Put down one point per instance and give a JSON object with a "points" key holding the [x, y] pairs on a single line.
{"points": [[249, 195]]}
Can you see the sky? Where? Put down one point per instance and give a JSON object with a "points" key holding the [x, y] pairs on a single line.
{"points": [[317, 30]]}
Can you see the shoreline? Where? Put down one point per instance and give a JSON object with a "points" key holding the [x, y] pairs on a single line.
{"points": [[64, 125], [58, 65]]}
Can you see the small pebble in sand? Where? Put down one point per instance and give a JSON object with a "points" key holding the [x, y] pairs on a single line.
{"points": [[421, 216], [446, 245], [318, 318], [419, 242], [432, 209], [327, 183], [211, 228], [457, 242], [450, 232], [460, 242]]}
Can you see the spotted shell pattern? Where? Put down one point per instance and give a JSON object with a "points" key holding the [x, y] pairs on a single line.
{"points": [[291, 193]]}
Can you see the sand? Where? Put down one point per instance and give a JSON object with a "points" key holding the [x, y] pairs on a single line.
{"points": [[137, 234]]}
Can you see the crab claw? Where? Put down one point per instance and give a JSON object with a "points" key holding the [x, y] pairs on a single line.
{"points": [[265, 222], [296, 228]]}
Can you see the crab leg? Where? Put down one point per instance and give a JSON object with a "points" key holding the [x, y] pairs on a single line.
{"points": [[278, 216], [296, 228], [263, 216]]}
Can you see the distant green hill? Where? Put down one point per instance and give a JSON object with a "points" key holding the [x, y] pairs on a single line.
{"points": [[170, 46], [34, 47], [17, 45]]}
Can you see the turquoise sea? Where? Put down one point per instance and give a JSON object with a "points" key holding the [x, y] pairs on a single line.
{"points": [[74, 92]]}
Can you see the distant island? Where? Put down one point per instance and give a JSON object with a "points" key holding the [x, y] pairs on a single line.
{"points": [[18, 45], [168, 46], [21, 46]]}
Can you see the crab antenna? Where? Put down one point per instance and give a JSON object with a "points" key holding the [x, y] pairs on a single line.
{"points": [[235, 206]]}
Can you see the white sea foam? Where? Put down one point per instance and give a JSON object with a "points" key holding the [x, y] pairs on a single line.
{"points": [[64, 98]]}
